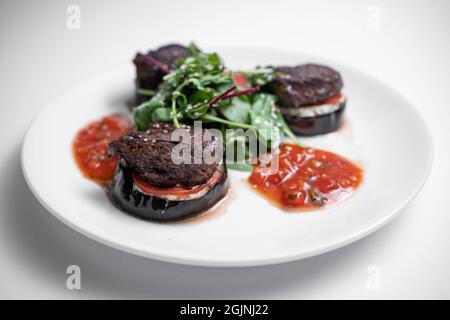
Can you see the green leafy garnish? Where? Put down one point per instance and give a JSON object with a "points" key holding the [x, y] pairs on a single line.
{"points": [[146, 92], [200, 88]]}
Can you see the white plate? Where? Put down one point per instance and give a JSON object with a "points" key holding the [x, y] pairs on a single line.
{"points": [[383, 132]]}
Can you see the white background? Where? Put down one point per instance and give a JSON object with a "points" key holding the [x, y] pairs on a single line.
{"points": [[41, 58]]}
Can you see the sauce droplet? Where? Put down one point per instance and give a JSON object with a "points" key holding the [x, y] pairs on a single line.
{"points": [[91, 147]]}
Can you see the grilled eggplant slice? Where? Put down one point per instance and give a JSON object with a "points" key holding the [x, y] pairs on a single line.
{"points": [[318, 119], [151, 183], [129, 197]]}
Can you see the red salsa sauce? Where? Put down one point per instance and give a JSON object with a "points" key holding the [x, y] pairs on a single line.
{"points": [[91, 147], [306, 178]]}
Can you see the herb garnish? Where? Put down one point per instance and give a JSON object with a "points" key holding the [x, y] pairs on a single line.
{"points": [[200, 88]]}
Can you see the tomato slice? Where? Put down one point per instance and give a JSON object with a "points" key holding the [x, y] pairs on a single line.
{"points": [[240, 80], [333, 100], [177, 191]]}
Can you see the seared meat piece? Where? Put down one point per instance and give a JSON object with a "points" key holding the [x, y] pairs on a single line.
{"points": [[169, 54], [304, 85], [149, 154], [151, 67], [149, 72]]}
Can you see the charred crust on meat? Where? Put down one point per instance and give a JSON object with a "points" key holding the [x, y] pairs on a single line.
{"points": [[149, 154], [169, 54], [304, 85]]}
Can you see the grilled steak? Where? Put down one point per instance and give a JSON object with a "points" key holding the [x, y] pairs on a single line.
{"points": [[304, 85], [149, 154]]}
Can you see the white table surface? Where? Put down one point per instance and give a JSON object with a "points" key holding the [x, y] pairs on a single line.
{"points": [[41, 58]]}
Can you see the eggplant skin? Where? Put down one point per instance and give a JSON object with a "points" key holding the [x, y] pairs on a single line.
{"points": [[312, 126], [127, 197]]}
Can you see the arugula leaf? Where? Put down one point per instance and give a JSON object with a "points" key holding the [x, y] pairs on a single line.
{"points": [[260, 76], [143, 113], [236, 109], [265, 115], [161, 115], [263, 118], [187, 90], [146, 92]]}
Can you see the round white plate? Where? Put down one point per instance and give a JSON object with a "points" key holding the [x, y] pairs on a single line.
{"points": [[382, 132]]}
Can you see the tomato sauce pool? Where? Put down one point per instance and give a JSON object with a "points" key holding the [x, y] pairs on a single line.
{"points": [[306, 178], [91, 147]]}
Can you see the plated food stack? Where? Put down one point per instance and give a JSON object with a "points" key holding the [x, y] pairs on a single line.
{"points": [[156, 182], [310, 98]]}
